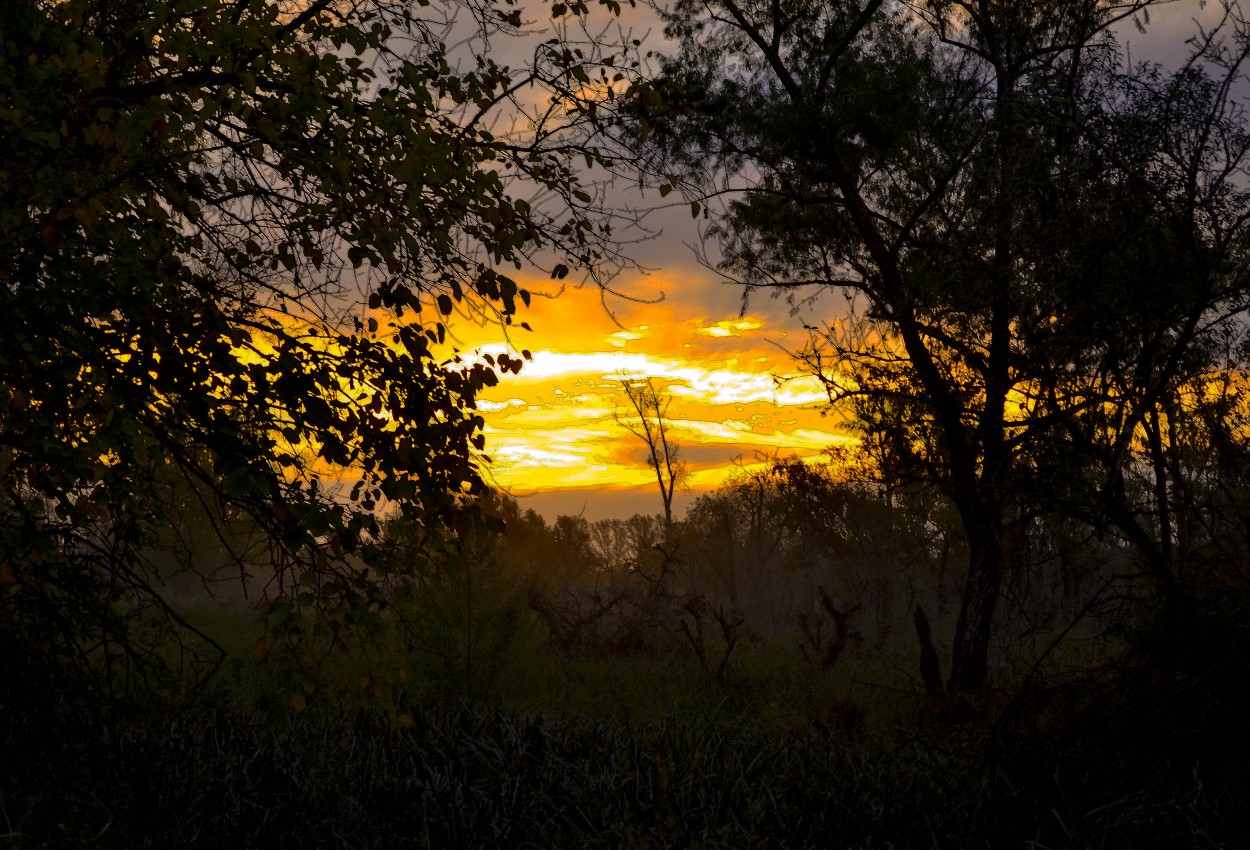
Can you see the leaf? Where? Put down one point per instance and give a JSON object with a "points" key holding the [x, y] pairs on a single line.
{"points": [[193, 194]]}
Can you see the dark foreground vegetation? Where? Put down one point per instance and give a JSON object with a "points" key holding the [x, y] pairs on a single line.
{"points": [[479, 777], [616, 704]]}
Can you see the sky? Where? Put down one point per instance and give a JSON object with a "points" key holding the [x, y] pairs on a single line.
{"points": [[554, 433]]}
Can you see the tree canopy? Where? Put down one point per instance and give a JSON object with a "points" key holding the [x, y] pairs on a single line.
{"points": [[1039, 241], [231, 235]]}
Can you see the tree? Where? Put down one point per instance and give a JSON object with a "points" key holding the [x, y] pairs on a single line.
{"points": [[231, 237], [739, 536], [1164, 155], [648, 421], [926, 158]]}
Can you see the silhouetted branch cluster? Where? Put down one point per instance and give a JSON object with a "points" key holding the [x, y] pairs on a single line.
{"points": [[693, 628], [822, 650]]}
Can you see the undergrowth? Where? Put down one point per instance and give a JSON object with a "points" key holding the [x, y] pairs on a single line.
{"points": [[407, 746], [468, 775]]}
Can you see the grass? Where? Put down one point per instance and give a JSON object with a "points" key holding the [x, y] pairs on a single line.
{"points": [[399, 748], [468, 775], [768, 682]]}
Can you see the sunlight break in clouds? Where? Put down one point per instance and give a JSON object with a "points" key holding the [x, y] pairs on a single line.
{"points": [[736, 397]]}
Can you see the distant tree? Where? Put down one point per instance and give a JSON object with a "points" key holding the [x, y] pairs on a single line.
{"points": [[231, 237], [768, 540], [1004, 202], [738, 536], [647, 419]]}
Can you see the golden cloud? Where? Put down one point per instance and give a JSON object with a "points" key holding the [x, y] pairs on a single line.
{"points": [[558, 425]]}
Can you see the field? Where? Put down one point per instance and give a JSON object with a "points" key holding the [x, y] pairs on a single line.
{"points": [[489, 735]]}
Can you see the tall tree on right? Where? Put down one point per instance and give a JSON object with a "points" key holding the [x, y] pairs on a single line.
{"points": [[1036, 241]]}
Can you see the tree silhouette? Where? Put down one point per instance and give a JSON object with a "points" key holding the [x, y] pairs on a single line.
{"points": [[1001, 198], [232, 236], [648, 421]]}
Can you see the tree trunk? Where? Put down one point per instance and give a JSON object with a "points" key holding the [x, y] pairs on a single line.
{"points": [[970, 657], [930, 667]]}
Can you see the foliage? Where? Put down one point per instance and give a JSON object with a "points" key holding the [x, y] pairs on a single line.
{"points": [[1039, 246], [232, 237]]}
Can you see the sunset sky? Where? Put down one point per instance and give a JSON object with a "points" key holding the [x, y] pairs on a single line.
{"points": [[736, 393]]}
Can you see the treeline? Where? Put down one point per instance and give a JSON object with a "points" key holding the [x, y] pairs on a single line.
{"points": [[812, 560]]}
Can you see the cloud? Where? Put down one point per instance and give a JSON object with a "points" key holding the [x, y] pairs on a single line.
{"points": [[735, 394], [730, 327]]}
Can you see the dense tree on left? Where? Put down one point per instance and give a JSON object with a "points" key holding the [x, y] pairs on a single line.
{"points": [[231, 235]]}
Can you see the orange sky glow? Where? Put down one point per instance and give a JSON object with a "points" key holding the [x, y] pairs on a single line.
{"points": [[736, 395]]}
